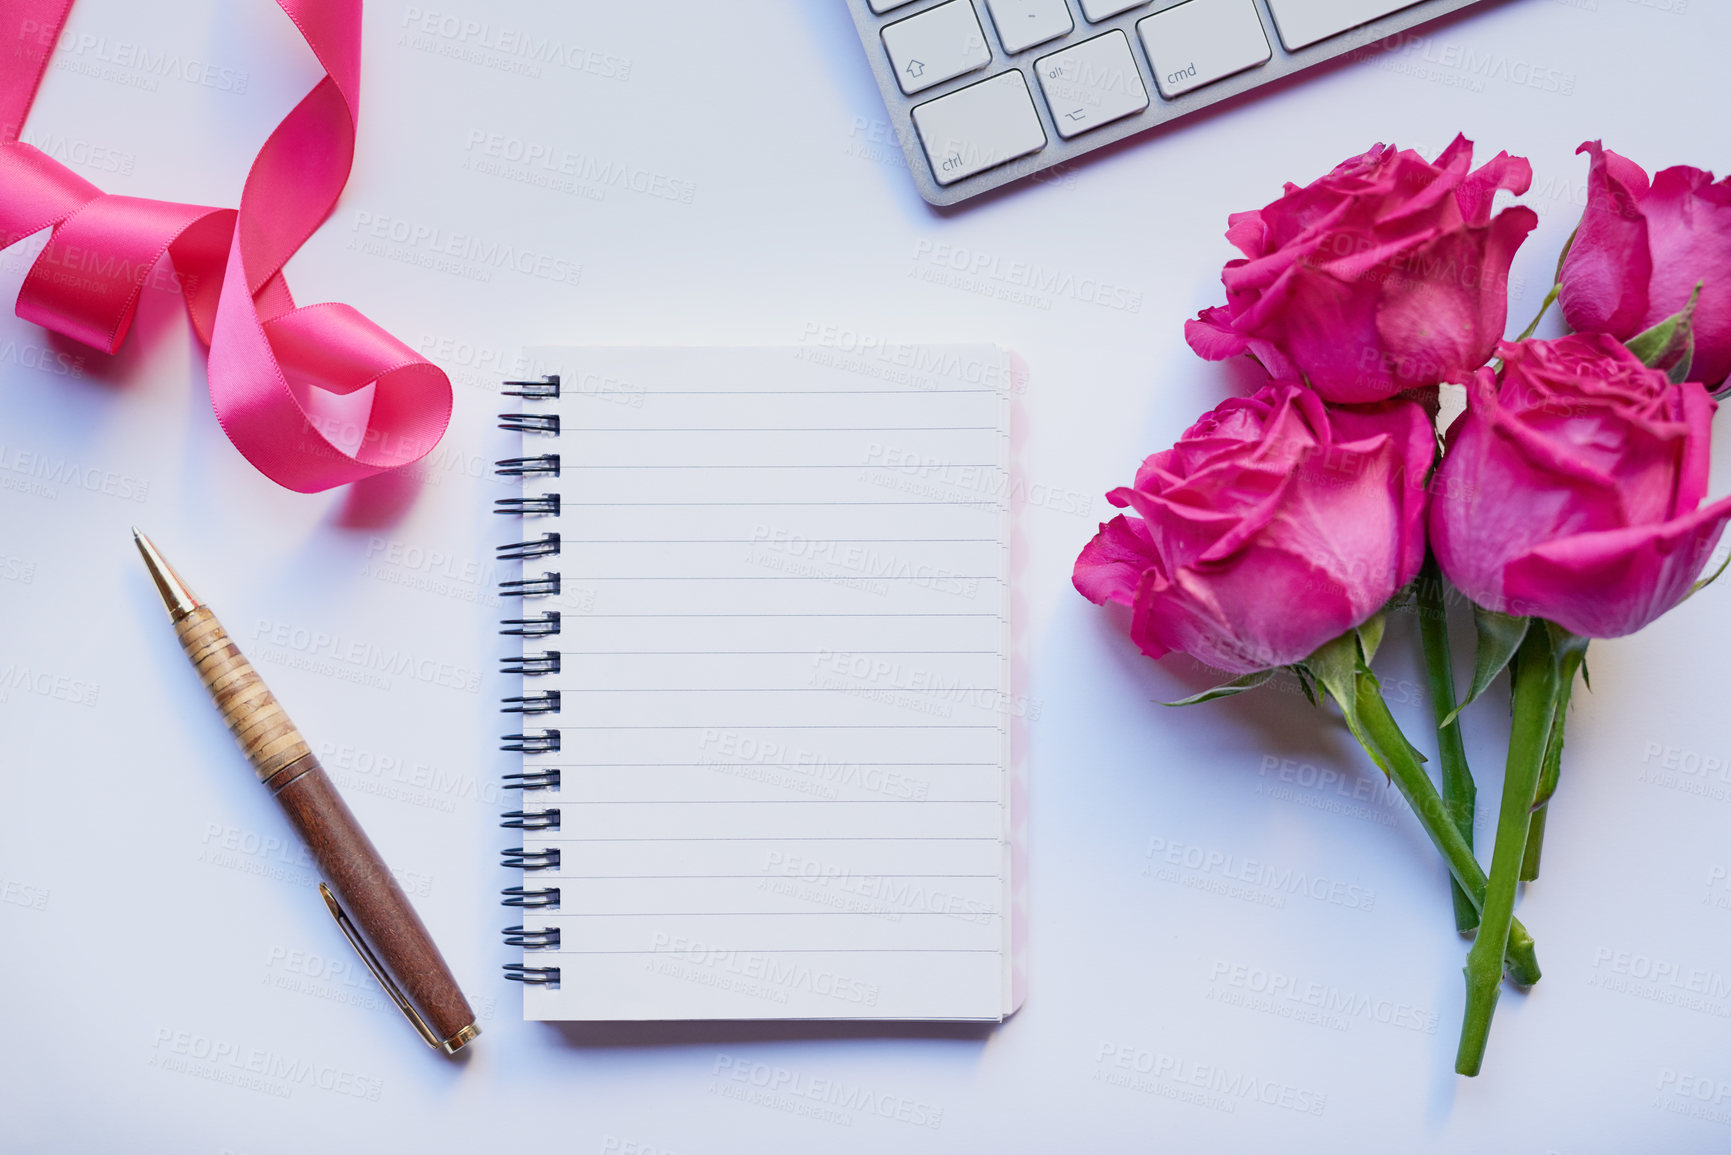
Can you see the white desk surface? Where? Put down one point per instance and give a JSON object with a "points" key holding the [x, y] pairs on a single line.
{"points": [[166, 974]]}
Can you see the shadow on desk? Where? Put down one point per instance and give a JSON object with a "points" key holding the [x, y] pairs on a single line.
{"points": [[674, 1033]]}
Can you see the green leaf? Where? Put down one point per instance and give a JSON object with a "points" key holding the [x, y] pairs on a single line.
{"points": [[1225, 689], [1500, 636], [1370, 635], [1669, 345]]}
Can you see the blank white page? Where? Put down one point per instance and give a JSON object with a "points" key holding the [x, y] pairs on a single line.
{"points": [[785, 698]]}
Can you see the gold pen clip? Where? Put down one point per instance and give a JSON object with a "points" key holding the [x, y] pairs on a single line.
{"points": [[349, 932]]}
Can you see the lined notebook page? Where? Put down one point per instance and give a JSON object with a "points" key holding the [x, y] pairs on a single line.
{"points": [[785, 676]]}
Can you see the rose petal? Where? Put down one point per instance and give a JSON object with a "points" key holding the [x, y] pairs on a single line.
{"points": [[1448, 305], [1211, 334], [1605, 275], [1111, 565], [1477, 192], [1689, 234], [1606, 585], [1267, 607]]}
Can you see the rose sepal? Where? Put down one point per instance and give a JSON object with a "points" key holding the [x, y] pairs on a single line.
{"points": [[1669, 346], [1336, 667], [1226, 689], [1499, 636]]}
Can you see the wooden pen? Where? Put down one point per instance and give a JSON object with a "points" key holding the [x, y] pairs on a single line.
{"points": [[359, 889]]}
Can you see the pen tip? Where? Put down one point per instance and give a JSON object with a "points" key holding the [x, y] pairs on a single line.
{"points": [[180, 600]]}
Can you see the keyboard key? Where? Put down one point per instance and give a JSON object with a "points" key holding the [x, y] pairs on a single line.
{"points": [[936, 45], [1304, 22], [1098, 10], [1025, 23], [1202, 41], [886, 5], [1091, 84], [979, 127]]}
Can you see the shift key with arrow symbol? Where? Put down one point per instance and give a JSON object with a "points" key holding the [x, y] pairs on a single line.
{"points": [[936, 45]]}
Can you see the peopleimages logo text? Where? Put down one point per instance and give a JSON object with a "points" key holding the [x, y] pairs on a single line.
{"points": [[1276, 880], [154, 62], [52, 471], [366, 656], [1027, 275], [483, 254], [518, 43]]}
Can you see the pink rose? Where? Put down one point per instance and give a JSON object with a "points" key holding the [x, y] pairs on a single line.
{"points": [[1571, 488], [1387, 274], [1642, 248], [1275, 525]]}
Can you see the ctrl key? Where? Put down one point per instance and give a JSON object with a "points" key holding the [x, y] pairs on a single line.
{"points": [[979, 127]]}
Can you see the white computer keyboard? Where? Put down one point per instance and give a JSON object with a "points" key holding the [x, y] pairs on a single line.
{"points": [[983, 92]]}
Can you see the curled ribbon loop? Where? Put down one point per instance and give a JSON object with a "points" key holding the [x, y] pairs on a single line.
{"points": [[313, 396]]}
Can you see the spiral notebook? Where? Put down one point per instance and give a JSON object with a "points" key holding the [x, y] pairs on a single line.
{"points": [[769, 729]]}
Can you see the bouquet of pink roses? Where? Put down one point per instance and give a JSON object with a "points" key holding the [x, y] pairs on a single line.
{"points": [[1566, 502]]}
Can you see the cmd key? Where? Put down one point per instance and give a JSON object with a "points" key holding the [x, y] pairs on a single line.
{"points": [[1202, 41]]}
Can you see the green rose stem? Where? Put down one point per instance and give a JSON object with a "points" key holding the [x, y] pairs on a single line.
{"points": [[1535, 682], [1433, 814], [1573, 653], [1550, 299], [1458, 791]]}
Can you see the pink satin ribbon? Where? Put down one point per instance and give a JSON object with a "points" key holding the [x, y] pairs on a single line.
{"points": [[314, 396]]}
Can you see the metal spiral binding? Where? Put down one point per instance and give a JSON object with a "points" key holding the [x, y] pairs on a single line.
{"points": [[543, 939], [528, 624], [519, 859], [529, 422], [533, 780], [546, 389], [531, 819], [546, 702], [542, 627], [545, 585], [527, 506], [519, 466], [546, 662], [547, 545], [546, 742]]}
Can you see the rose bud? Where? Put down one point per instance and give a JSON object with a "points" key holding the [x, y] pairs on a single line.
{"points": [[1643, 247], [1388, 274], [1275, 525], [1572, 488]]}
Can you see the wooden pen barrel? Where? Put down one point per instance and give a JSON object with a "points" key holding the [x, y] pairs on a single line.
{"points": [[363, 884], [371, 898]]}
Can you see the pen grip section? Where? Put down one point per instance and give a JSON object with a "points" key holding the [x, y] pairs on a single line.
{"points": [[371, 898], [261, 726]]}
